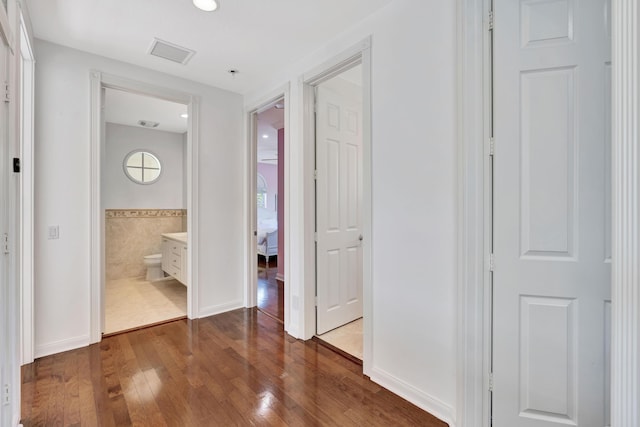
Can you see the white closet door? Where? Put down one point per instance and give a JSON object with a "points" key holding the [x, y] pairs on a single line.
{"points": [[551, 223], [338, 207]]}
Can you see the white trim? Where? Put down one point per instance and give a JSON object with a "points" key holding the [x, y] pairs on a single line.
{"points": [[474, 215], [625, 345], [193, 209], [220, 308], [357, 54], [95, 241], [431, 404], [26, 194], [62, 346], [98, 82]]}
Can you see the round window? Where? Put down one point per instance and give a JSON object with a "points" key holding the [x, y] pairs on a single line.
{"points": [[142, 167]]}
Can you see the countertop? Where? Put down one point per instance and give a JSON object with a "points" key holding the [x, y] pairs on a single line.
{"points": [[178, 237]]}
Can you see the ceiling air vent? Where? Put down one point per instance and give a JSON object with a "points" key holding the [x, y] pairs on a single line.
{"points": [[170, 51], [148, 123]]}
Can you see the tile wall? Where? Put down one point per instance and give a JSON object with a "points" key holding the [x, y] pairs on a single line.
{"points": [[130, 234]]}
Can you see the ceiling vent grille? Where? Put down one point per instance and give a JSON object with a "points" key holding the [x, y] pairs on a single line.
{"points": [[170, 51]]}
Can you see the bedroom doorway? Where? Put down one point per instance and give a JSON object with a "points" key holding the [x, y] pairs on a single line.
{"points": [[339, 200], [270, 211]]}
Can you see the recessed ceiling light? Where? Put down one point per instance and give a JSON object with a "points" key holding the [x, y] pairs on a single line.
{"points": [[184, 116], [265, 136], [206, 5]]}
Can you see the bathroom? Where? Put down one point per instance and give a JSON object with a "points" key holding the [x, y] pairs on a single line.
{"points": [[144, 196]]}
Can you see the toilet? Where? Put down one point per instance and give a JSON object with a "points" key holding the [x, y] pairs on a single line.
{"points": [[154, 267]]}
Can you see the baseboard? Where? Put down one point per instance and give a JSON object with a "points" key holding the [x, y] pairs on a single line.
{"points": [[293, 331], [220, 308], [280, 277], [432, 405], [61, 346]]}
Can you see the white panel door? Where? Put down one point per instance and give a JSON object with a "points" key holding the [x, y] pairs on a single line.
{"points": [[551, 289], [338, 206]]}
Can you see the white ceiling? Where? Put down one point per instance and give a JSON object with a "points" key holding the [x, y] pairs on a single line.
{"points": [[256, 37], [127, 108]]}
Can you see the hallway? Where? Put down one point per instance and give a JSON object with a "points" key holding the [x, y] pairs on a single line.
{"points": [[236, 368]]}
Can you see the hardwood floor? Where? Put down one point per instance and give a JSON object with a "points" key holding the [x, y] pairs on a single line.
{"points": [[270, 290], [233, 369]]}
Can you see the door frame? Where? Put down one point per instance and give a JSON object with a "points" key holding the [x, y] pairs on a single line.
{"points": [[27, 126], [251, 204], [474, 213], [99, 81], [357, 54]]}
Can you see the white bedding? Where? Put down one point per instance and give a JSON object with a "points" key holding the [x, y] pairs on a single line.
{"points": [[267, 222]]}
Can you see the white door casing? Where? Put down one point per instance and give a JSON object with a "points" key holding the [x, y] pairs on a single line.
{"points": [[552, 299], [6, 323], [338, 205]]}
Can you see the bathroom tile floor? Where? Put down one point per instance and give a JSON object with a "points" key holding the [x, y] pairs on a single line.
{"points": [[133, 303], [347, 338]]}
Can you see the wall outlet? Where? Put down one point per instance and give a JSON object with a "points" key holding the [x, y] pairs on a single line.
{"points": [[54, 232]]}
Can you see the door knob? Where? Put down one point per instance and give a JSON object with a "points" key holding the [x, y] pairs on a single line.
{"points": [[360, 238]]}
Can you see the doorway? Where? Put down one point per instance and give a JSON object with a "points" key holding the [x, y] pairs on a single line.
{"points": [[270, 211], [144, 199], [339, 188], [551, 227], [100, 82]]}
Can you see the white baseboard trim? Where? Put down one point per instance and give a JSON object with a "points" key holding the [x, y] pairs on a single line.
{"points": [[220, 308], [293, 331], [62, 345], [432, 405], [280, 277]]}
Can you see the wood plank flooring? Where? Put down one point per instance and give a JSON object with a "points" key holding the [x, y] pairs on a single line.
{"points": [[233, 369], [271, 293]]}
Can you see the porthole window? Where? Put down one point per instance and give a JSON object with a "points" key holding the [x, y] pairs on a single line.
{"points": [[142, 167]]}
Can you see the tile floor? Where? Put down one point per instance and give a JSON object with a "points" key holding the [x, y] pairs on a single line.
{"points": [[132, 303], [347, 338]]}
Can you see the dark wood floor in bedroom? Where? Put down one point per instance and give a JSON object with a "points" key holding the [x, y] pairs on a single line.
{"points": [[270, 290], [233, 369]]}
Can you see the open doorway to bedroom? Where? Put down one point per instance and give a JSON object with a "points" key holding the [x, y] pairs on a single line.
{"points": [[270, 137]]}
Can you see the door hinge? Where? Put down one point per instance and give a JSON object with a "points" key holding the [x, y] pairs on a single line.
{"points": [[7, 98], [490, 381], [5, 243], [491, 20], [316, 300], [492, 146], [492, 262], [315, 174], [315, 236], [6, 395]]}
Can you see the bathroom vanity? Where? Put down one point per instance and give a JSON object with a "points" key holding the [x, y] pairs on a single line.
{"points": [[174, 255]]}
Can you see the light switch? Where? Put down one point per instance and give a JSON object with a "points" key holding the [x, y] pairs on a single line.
{"points": [[54, 232]]}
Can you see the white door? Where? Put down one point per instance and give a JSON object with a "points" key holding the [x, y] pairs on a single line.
{"points": [[338, 204], [552, 302]]}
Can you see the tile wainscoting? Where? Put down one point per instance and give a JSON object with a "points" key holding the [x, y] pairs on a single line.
{"points": [[130, 234]]}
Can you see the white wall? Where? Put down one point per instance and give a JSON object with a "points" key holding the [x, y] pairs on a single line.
{"points": [[63, 192], [414, 196], [119, 192]]}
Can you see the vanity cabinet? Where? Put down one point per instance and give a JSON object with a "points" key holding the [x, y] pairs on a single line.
{"points": [[174, 258]]}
